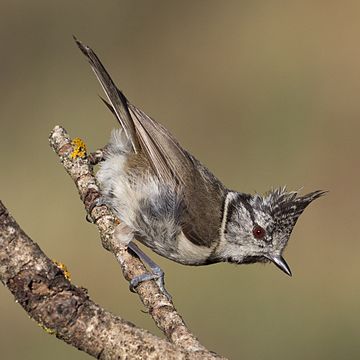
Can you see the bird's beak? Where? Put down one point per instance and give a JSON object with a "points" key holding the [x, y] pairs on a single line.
{"points": [[280, 262]]}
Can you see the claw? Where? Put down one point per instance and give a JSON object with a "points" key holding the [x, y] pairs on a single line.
{"points": [[139, 279], [97, 202], [159, 278], [97, 156]]}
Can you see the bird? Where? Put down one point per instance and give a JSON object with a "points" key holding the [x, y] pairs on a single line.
{"points": [[168, 201]]}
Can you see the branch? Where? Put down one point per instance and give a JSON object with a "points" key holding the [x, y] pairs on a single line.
{"points": [[41, 288], [76, 162]]}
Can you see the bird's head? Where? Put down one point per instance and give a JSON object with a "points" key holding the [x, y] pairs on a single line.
{"points": [[257, 228]]}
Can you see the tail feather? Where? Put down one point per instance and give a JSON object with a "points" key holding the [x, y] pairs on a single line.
{"points": [[118, 101]]}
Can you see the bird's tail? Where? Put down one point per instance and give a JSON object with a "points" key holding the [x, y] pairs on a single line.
{"points": [[118, 103]]}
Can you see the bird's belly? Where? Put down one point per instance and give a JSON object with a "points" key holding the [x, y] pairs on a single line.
{"points": [[179, 249]]}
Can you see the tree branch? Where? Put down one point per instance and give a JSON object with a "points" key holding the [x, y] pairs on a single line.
{"points": [[41, 288]]}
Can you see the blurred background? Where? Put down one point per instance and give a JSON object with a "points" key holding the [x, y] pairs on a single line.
{"points": [[265, 93]]}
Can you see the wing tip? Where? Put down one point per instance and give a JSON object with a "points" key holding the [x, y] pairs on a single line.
{"points": [[86, 50]]}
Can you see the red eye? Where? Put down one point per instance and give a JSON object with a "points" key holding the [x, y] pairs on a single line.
{"points": [[258, 232]]}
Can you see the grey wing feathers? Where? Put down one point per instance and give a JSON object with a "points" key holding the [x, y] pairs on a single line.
{"points": [[169, 161], [169, 158]]}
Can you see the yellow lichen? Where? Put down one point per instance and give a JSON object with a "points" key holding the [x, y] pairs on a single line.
{"points": [[79, 148], [63, 268], [47, 330]]}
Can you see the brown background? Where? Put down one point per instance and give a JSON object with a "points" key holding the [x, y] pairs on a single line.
{"points": [[265, 93]]}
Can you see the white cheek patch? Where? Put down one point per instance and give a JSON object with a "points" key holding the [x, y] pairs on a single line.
{"points": [[238, 229], [244, 219]]}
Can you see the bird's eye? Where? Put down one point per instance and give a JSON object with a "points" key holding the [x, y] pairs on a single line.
{"points": [[258, 232]]}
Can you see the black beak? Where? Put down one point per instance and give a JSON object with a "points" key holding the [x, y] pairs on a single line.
{"points": [[280, 262]]}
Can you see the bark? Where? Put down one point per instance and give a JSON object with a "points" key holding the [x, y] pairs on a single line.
{"points": [[41, 288]]}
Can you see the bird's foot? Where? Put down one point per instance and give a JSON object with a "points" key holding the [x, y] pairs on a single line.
{"points": [[97, 202], [156, 273]]}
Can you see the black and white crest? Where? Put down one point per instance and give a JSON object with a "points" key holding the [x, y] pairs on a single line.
{"points": [[284, 208]]}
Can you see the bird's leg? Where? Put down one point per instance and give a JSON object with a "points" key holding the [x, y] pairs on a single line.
{"points": [[156, 273], [125, 236]]}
